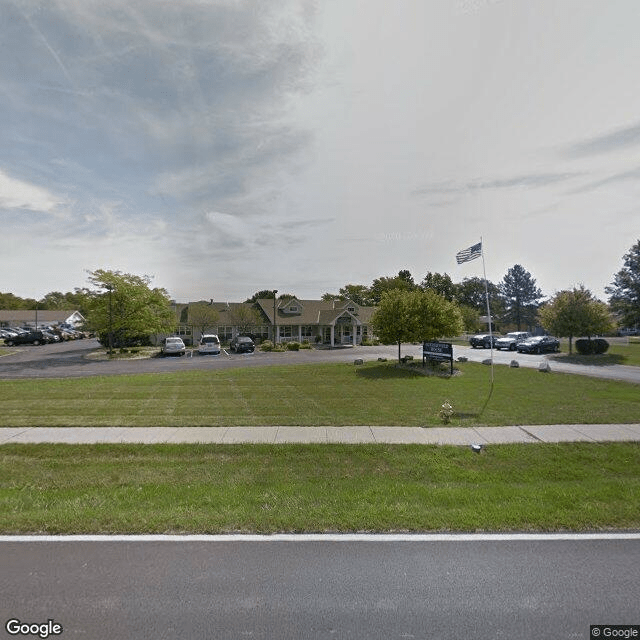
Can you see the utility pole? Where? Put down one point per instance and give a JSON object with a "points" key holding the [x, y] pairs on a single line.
{"points": [[275, 322]]}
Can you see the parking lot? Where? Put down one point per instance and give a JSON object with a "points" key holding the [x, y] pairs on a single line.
{"points": [[86, 358]]}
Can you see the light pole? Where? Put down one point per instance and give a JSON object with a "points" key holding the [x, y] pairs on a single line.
{"points": [[275, 324], [110, 289]]}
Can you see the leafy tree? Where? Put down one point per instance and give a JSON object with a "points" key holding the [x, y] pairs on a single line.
{"points": [[358, 293], [520, 295], [11, 301], [328, 297], [403, 281], [471, 293], [126, 309], [624, 292], [575, 312], [440, 283], [470, 318], [410, 316], [54, 300], [265, 293], [202, 316], [244, 318]]}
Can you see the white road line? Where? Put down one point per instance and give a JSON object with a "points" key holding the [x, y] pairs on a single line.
{"points": [[330, 537]]}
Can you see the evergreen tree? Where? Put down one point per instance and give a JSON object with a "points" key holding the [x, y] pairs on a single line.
{"points": [[624, 292], [521, 296]]}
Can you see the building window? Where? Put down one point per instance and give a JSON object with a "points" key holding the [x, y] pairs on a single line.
{"points": [[260, 332], [183, 330], [307, 332], [225, 333], [285, 332]]}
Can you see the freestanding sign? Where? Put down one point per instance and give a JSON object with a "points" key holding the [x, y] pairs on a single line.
{"points": [[439, 351]]}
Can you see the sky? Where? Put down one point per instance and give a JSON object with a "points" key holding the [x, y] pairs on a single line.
{"points": [[223, 147]]}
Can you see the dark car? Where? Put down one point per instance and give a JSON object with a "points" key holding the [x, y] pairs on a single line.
{"points": [[242, 344], [28, 337], [539, 344], [483, 340]]}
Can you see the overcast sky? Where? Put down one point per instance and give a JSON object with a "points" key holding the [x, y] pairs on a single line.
{"points": [[229, 146]]}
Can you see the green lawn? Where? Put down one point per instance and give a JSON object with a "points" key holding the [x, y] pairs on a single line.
{"points": [[318, 394], [266, 488], [627, 354]]}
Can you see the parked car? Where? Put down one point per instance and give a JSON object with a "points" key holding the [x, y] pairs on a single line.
{"points": [[482, 340], [173, 346], [511, 340], [27, 337], [539, 344], [50, 337], [242, 344], [209, 343]]}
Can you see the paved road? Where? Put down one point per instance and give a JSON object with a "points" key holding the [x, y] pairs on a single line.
{"points": [[72, 359], [356, 589]]}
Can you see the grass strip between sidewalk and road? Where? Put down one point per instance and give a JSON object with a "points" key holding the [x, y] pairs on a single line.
{"points": [[377, 393], [56, 488]]}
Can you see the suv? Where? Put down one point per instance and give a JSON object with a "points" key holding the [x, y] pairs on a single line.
{"points": [[209, 343], [173, 346], [27, 337], [511, 340], [242, 344]]}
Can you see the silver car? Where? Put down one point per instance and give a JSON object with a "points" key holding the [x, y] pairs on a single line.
{"points": [[173, 346]]}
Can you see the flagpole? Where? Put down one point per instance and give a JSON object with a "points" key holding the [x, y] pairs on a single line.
{"points": [[486, 291]]}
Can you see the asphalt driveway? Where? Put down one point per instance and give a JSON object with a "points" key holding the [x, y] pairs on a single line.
{"points": [[77, 359]]}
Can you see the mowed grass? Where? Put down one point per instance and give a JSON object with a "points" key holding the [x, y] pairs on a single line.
{"points": [[318, 394], [58, 488], [627, 354]]}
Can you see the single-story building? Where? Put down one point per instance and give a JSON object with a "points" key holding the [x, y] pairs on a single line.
{"points": [[327, 322], [39, 317]]}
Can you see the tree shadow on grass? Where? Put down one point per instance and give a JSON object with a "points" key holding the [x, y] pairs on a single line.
{"points": [[389, 370], [596, 360]]}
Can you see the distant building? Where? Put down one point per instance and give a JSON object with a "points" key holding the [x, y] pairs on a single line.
{"points": [[331, 323], [39, 317]]}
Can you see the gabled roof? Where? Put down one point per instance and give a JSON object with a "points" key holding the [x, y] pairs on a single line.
{"points": [[324, 312]]}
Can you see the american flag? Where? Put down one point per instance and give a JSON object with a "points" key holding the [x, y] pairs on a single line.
{"points": [[469, 254]]}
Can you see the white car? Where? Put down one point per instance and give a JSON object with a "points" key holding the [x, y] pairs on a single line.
{"points": [[173, 346], [512, 340], [209, 343]]}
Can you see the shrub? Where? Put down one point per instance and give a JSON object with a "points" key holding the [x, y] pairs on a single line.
{"points": [[293, 346], [587, 347], [267, 345]]}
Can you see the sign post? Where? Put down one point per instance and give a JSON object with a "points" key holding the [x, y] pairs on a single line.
{"points": [[439, 351]]}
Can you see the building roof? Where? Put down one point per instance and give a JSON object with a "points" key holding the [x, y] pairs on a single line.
{"points": [[310, 312], [45, 316]]}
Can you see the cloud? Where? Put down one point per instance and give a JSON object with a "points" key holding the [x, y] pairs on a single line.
{"points": [[620, 139], [17, 194], [190, 97], [624, 176], [533, 181]]}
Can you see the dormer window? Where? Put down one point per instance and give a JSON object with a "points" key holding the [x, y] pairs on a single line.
{"points": [[351, 309], [293, 309]]}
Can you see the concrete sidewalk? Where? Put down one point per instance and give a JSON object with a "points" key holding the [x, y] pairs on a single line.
{"points": [[323, 435]]}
